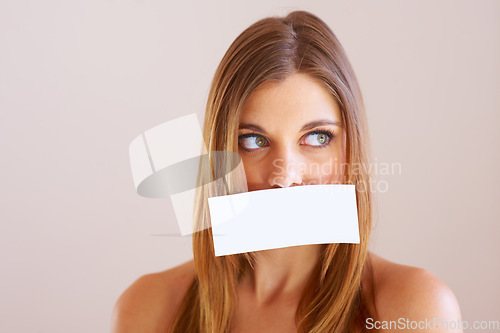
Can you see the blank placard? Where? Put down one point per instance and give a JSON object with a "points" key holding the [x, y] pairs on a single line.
{"points": [[276, 218]]}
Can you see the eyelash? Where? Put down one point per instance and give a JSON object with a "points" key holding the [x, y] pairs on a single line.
{"points": [[328, 133]]}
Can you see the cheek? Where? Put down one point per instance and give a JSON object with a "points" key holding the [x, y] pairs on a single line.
{"points": [[326, 172], [327, 168], [252, 173]]}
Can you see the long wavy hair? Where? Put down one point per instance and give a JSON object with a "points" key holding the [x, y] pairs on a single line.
{"points": [[336, 299]]}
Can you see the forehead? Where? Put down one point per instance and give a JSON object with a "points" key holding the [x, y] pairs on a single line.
{"points": [[298, 98]]}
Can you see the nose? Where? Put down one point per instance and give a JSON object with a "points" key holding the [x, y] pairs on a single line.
{"points": [[286, 170]]}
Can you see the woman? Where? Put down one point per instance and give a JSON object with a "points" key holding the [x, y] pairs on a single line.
{"points": [[285, 97]]}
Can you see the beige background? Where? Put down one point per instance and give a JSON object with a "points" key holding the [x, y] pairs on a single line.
{"points": [[79, 80]]}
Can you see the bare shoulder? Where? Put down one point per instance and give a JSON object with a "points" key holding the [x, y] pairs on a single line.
{"points": [[151, 302], [413, 294]]}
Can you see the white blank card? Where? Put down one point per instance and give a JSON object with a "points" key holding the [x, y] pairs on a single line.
{"points": [[276, 218]]}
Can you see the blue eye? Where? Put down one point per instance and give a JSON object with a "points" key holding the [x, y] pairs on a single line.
{"points": [[252, 141], [318, 138]]}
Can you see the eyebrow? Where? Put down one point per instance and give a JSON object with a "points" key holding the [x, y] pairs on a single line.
{"points": [[252, 127], [317, 123], [306, 127]]}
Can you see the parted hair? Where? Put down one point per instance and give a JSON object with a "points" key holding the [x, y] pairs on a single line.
{"points": [[336, 298]]}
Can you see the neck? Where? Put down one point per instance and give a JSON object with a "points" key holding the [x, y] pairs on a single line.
{"points": [[282, 274]]}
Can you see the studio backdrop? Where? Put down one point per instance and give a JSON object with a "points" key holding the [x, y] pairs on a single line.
{"points": [[79, 80]]}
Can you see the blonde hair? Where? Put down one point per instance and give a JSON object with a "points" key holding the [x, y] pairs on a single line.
{"points": [[272, 49]]}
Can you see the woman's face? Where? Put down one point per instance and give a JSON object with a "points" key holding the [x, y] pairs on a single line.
{"points": [[290, 133]]}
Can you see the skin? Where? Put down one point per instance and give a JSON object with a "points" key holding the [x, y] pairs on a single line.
{"points": [[285, 149], [278, 152]]}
